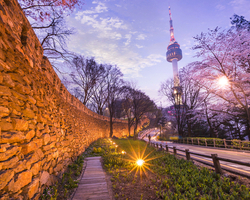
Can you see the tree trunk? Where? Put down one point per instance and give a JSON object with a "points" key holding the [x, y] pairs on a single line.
{"points": [[129, 127], [135, 129], [111, 125], [189, 130]]}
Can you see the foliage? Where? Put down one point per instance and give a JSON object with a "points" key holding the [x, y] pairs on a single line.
{"points": [[179, 179], [63, 188], [136, 104], [50, 193], [235, 143]]}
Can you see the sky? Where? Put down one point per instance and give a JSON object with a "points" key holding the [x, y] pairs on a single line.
{"points": [[134, 34]]}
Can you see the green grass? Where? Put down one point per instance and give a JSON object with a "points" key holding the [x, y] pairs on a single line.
{"points": [[179, 179]]}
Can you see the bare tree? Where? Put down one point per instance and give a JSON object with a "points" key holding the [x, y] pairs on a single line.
{"points": [[114, 83], [85, 75], [47, 20]]}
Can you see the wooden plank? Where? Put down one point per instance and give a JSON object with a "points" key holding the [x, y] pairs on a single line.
{"points": [[93, 184]]}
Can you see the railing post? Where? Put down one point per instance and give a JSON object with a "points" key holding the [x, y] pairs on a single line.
{"points": [[206, 142], [174, 150], [187, 140], [183, 140], [192, 140], [225, 143], [214, 142], [161, 146], [198, 141], [157, 145], [240, 145], [216, 164], [166, 148], [187, 154]]}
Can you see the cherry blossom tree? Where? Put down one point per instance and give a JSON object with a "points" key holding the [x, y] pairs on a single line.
{"points": [[225, 55]]}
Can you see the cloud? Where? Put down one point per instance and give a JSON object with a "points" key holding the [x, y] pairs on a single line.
{"points": [[128, 37], [241, 7], [108, 39], [220, 7], [138, 46], [141, 37]]}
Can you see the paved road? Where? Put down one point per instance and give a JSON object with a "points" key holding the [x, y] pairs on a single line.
{"points": [[233, 155]]}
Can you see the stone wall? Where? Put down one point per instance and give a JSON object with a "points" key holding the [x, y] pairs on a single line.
{"points": [[42, 126]]}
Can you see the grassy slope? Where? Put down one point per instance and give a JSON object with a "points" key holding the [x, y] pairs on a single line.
{"points": [[172, 178]]}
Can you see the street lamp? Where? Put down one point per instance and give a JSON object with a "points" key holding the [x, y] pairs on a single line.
{"points": [[223, 81]]}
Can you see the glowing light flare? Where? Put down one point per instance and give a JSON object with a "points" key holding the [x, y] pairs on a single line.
{"points": [[140, 162], [223, 81], [123, 152], [116, 146]]}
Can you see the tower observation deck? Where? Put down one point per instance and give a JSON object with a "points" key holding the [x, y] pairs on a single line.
{"points": [[174, 54]]}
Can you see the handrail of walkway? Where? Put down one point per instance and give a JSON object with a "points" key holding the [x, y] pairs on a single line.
{"points": [[216, 142], [214, 157]]}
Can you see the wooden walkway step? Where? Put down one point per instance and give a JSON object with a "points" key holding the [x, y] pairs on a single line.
{"points": [[93, 185]]}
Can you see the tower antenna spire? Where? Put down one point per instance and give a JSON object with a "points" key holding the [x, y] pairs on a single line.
{"points": [[172, 39]]}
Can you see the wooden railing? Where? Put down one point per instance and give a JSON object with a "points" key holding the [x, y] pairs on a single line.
{"points": [[214, 157], [222, 143]]}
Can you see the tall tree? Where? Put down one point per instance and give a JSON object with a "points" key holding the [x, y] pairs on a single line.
{"points": [[225, 60], [85, 75], [141, 104], [114, 83]]}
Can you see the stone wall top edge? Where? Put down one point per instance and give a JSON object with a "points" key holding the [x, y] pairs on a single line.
{"points": [[33, 51]]}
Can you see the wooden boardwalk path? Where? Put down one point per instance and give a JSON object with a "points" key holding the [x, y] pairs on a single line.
{"points": [[93, 185]]}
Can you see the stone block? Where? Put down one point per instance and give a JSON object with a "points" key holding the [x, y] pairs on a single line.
{"points": [[16, 77], [46, 139], [30, 134], [8, 81], [33, 188], [38, 133], [6, 126], [28, 147], [4, 111], [3, 147], [40, 126], [5, 177], [21, 166], [39, 142], [33, 158], [9, 153], [31, 99], [22, 89], [20, 124], [44, 178], [12, 137], [9, 163], [19, 96], [29, 113], [5, 91], [35, 168], [24, 178]]}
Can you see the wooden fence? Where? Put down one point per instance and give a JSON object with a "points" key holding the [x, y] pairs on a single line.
{"points": [[222, 143], [214, 157]]}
